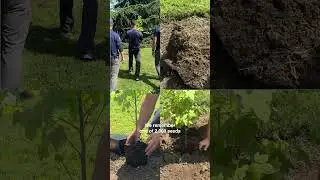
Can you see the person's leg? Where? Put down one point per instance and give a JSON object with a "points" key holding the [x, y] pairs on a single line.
{"points": [[138, 63], [130, 61], [115, 66], [66, 16], [88, 27], [157, 62], [16, 17]]}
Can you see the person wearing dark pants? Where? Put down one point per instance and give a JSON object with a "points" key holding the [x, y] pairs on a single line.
{"points": [[135, 37], [115, 50], [88, 28], [156, 49], [15, 21]]}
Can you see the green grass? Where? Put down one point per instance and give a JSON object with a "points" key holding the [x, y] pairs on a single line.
{"points": [[122, 120], [184, 8], [49, 61], [148, 73]]}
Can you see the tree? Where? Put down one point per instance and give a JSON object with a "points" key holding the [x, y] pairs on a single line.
{"points": [[147, 12], [58, 119]]}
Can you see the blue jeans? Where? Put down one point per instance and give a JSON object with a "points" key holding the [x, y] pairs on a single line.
{"points": [[157, 61], [114, 71]]}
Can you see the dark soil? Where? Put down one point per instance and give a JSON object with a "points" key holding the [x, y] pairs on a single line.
{"points": [[135, 154], [305, 170], [185, 51], [123, 171], [267, 43], [185, 161], [171, 161]]}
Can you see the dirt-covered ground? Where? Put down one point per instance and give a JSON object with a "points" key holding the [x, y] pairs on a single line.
{"points": [[151, 171], [304, 170], [266, 43], [185, 162], [171, 161], [185, 51]]}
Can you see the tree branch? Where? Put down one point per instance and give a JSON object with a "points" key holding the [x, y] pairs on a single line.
{"points": [[96, 122], [70, 124], [86, 114], [66, 169], [73, 146]]}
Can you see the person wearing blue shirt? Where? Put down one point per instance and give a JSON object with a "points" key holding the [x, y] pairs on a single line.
{"points": [[115, 51], [135, 37], [156, 49]]}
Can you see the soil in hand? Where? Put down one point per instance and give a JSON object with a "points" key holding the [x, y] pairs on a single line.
{"points": [[185, 51], [274, 42], [135, 154]]}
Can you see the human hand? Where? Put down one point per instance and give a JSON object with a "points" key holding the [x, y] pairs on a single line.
{"points": [[204, 144], [134, 136], [153, 143], [113, 177]]}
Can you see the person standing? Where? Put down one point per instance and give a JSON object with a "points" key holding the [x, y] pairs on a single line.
{"points": [[14, 25], [115, 50], [88, 28], [135, 37], [156, 49]]}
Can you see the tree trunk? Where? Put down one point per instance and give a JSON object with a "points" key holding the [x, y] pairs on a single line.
{"points": [[101, 167], [82, 139]]}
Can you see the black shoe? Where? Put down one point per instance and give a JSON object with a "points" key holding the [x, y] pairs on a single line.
{"points": [[87, 57], [24, 94], [137, 79]]}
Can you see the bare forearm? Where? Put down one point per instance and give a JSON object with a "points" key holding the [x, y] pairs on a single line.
{"points": [[147, 109]]}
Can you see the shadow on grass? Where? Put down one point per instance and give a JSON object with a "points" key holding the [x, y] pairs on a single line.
{"points": [[145, 78], [49, 41]]}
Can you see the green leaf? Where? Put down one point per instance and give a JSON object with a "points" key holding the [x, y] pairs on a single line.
{"points": [[241, 173], [260, 158], [266, 168]]}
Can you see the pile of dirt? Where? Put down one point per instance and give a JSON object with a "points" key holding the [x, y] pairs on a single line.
{"points": [[185, 161], [185, 53], [135, 154], [277, 42]]}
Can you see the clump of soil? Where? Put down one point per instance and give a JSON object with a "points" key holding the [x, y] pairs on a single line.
{"points": [[135, 154], [184, 160], [185, 51], [277, 42]]}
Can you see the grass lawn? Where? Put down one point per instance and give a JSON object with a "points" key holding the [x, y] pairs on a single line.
{"points": [[122, 120], [49, 61], [148, 73], [184, 8]]}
